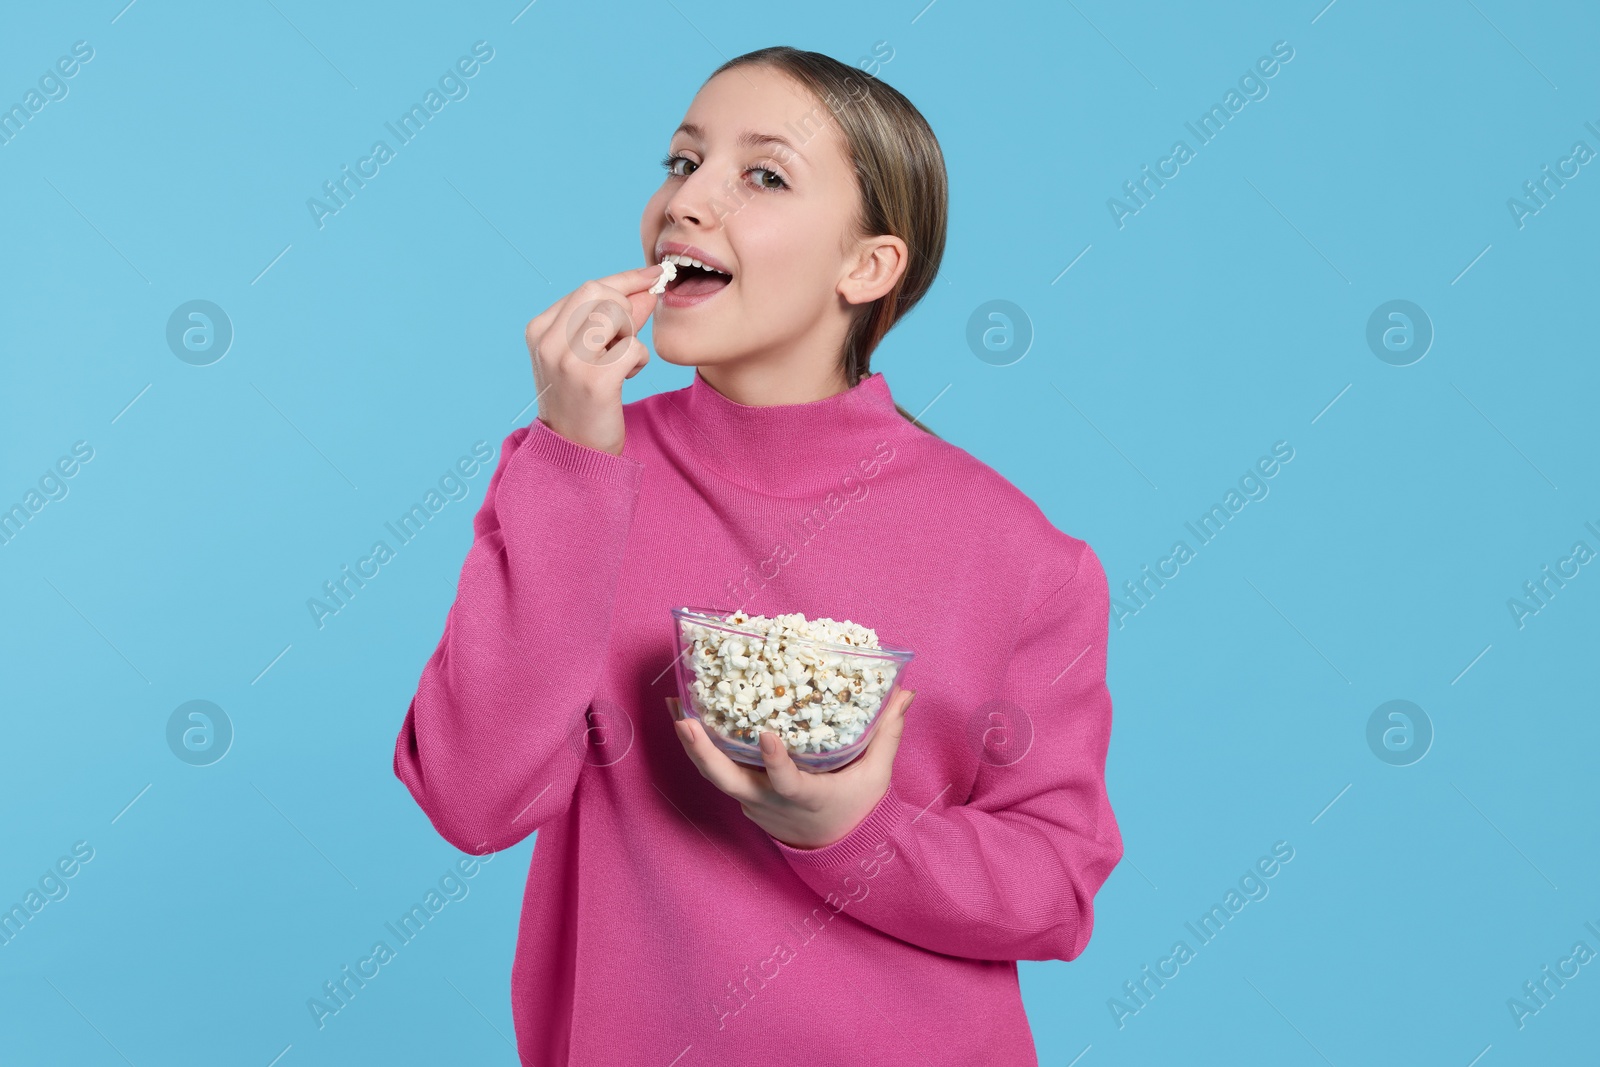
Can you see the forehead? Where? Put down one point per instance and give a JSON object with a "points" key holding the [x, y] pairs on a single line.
{"points": [[758, 106]]}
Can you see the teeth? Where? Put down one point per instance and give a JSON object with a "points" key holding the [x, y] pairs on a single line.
{"points": [[669, 271], [690, 261]]}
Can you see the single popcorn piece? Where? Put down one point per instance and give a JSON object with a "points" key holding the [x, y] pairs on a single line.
{"points": [[669, 271], [817, 699]]}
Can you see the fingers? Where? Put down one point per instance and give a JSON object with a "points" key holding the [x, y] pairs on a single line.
{"points": [[782, 773], [746, 785], [598, 327], [713, 764], [886, 742], [628, 290], [632, 281], [636, 356], [633, 287], [600, 324]]}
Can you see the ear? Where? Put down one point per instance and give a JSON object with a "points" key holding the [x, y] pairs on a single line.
{"points": [[877, 266]]}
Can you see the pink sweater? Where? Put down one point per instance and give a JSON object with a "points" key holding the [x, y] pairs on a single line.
{"points": [[660, 926]]}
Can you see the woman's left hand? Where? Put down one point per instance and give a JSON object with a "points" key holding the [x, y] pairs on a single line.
{"points": [[800, 808]]}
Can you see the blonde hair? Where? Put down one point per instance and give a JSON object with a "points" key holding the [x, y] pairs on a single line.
{"points": [[899, 173]]}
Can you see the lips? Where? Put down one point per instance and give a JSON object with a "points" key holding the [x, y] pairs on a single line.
{"points": [[700, 276], [675, 248]]}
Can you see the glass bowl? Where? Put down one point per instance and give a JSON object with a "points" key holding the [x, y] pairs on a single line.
{"points": [[875, 666]]}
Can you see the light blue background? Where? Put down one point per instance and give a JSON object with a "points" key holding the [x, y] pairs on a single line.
{"points": [[1228, 314]]}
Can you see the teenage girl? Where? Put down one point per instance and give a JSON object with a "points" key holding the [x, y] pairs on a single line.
{"points": [[681, 908]]}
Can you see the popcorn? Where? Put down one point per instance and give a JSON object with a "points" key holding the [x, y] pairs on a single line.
{"points": [[669, 271], [816, 699]]}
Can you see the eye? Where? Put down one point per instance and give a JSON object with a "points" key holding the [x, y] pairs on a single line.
{"points": [[771, 182], [774, 175], [670, 162]]}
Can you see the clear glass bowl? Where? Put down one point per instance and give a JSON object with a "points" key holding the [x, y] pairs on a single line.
{"points": [[742, 744]]}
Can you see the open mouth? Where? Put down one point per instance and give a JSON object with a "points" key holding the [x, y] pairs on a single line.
{"points": [[695, 281]]}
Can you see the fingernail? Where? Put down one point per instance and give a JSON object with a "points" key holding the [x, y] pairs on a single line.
{"points": [[909, 699]]}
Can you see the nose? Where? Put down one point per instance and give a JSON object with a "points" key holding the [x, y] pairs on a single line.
{"points": [[691, 203], [682, 211]]}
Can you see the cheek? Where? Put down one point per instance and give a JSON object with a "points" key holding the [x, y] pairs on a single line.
{"points": [[651, 221], [783, 261]]}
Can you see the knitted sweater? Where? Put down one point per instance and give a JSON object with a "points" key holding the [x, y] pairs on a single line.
{"points": [[660, 925]]}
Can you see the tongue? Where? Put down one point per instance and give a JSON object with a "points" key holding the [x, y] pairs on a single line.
{"points": [[695, 282]]}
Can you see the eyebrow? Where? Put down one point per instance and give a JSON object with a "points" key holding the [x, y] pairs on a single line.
{"points": [[747, 139]]}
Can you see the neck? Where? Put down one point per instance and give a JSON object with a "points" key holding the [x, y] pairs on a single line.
{"points": [[762, 384]]}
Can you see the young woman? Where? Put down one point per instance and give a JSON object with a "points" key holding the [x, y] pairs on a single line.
{"points": [[682, 908]]}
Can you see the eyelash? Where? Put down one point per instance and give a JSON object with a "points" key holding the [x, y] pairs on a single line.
{"points": [[671, 158]]}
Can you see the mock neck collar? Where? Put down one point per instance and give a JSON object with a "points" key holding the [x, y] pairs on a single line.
{"points": [[785, 449]]}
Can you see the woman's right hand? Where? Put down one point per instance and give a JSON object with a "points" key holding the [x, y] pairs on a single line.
{"points": [[583, 347]]}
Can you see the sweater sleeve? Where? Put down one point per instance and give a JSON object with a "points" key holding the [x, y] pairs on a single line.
{"points": [[1010, 874], [487, 748]]}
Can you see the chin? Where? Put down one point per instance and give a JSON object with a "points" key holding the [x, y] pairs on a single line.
{"points": [[671, 357], [669, 354], [670, 349]]}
